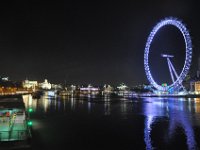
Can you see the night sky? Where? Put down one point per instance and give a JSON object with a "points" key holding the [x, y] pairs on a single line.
{"points": [[91, 42]]}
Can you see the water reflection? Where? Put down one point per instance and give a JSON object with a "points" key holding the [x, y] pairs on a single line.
{"points": [[89, 107], [107, 109], [147, 132], [175, 113], [181, 118], [62, 104], [72, 101], [152, 110], [197, 105], [179, 112], [43, 104], [29, 102]]}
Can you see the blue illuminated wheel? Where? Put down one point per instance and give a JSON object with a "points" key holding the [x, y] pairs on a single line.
{"points": [[188, 50]]}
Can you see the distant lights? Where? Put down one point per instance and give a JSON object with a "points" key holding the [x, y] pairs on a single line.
{"points": [[89, 89], [164, 84], [30, 110], [29, 123]]}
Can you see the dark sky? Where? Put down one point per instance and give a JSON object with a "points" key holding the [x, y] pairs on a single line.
{"points": [[89, 42]]}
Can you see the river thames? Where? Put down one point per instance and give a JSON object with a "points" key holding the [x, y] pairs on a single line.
{"points": [[103, 123]]}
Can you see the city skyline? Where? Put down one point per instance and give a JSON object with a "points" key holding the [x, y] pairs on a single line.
{"points": [[87, 42]]}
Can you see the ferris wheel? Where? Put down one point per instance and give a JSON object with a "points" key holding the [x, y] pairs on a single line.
{"points": [[176, 79]]}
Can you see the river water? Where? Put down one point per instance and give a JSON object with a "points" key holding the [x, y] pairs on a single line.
{"points": [[103, 123]]}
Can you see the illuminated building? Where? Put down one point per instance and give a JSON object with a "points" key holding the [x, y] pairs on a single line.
{"points": [[195, 86], [4, 79], [107, 89], [122, 87], [198, 71], [56, 86], [45, 85], [72, 87], [195, 82], [29, 84], [89, 90]]}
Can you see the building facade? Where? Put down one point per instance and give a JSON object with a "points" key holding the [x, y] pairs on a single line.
{"points": [[29, 84]]}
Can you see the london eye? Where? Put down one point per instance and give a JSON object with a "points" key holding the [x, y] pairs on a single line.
{"points": [[176, 78]]}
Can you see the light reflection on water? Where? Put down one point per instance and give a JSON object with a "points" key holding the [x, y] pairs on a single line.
{"points": [[147, 132], [107, 108], [179, 113]]}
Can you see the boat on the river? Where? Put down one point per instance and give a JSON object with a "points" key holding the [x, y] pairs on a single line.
{"points": [[15, 131]]}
